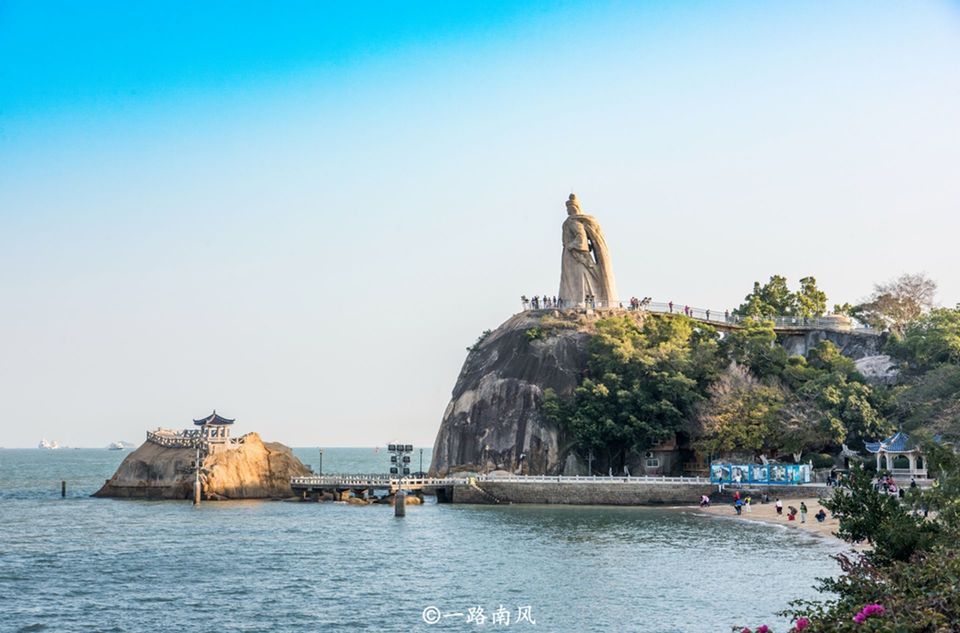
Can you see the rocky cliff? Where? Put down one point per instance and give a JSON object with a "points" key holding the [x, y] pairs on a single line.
{"points": [[495, 416], [254, 470]]}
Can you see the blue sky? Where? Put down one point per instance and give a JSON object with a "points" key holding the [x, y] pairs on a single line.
{"points": [[302, 213]]}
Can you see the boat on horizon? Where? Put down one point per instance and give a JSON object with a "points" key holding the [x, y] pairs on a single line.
{"points": [[47, 444], [117, 446]]}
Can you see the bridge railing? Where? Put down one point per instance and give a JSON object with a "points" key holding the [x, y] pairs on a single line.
{"points": [[720, 317]]}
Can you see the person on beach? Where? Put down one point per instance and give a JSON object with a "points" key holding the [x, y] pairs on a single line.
{"points": [[779, 506], [738, 506], [704, 501], [791, 513], [746, 504], [803, 512], [821, 516]]}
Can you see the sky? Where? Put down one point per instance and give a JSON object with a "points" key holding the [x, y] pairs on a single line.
{"points": [[302, 213]]}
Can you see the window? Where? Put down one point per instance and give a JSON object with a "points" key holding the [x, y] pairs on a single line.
{"points": [[653, 462], [654, 443]]}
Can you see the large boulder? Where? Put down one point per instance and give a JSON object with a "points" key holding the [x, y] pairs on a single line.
{"points": [[495, 413], [253, 470]]}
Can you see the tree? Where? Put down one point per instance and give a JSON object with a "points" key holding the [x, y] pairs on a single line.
{"points": [[893, 305], [642, 383], [829, 381], [930, 340], [755, 346], [775, 298], [810, 300], [769, 300], [742, 414]]}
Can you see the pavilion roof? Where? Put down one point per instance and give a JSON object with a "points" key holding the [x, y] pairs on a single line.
{"points": [[899, 442], [213, 418]]}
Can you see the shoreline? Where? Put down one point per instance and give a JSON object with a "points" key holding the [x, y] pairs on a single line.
{"points": [[766, 513]]}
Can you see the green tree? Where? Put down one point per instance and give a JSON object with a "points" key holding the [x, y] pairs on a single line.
{"points": [[642, 383], [742, 414], [755, 346], [829, 381], [810, 301], [769, 300], [929, 340]]}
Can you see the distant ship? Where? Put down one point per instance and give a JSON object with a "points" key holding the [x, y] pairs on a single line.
{"points": [[45, 443], [117, 446]]}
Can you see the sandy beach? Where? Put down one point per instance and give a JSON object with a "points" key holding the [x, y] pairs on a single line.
{"points": [[768, 514]]}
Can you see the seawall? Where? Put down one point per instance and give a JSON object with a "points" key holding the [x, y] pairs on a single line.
{"points": [[621, 493]]}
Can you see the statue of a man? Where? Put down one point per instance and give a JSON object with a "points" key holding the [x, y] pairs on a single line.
{"points": [[586, 277]]}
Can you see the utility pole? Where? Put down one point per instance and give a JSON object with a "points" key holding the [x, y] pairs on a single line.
{"points": [[196, 478], [421, 462], [321, 462]]}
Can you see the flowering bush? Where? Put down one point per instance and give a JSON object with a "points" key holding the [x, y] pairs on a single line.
{"points": [[867, 611]]}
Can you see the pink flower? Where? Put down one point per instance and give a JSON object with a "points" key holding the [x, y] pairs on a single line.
{"points": [[801, 624], [868, 611], [745, 630], [763, 628]]}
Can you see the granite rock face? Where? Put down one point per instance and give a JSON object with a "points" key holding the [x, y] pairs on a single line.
{"points": [[254, 470], [854, 345], [495, 415]]}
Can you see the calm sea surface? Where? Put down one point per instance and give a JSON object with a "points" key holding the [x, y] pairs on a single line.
{"points": [[83, 564]]}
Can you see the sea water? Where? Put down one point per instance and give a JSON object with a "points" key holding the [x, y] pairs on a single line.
{"points": [[84, 564]]}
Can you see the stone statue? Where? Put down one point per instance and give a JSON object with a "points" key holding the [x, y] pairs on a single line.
{"points": [[586, 277]]}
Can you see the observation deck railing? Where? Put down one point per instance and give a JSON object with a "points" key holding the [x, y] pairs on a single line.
{"points": [[833, 322]]}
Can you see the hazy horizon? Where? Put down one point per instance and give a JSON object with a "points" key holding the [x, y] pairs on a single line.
{"points": [[301, 215]]}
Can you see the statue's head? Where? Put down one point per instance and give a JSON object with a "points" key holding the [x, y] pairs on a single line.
{"points": [[573, 205]]}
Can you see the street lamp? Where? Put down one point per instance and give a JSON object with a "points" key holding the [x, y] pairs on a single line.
{"points": [[321, 462], [421, 462]]}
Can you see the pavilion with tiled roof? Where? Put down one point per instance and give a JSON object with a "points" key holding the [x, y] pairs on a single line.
{"points": [[216, 431], [897, 446]]}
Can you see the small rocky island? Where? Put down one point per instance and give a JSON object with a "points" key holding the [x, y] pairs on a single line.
{"points": [[230, 468]]}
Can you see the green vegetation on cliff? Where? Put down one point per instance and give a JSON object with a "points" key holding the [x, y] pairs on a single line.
{"points": [[650, 378]]}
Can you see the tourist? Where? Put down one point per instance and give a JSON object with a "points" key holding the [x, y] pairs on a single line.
{"points": [[671, 307], [779, 506], [791, 513], [803, 512], [704, 501], [736, 495], [738, 506], [746, 504], [726, 315], [708, 314], [525, 302], [821, 516], [913, 483]]}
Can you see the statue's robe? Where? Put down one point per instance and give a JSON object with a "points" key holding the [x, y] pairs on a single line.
{"points": [[586, 268]]}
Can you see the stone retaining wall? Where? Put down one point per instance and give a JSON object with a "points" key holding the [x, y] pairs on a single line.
{"points": [[620, 494]]}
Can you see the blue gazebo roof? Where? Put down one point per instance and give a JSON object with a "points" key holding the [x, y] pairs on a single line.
{"points": [[214, 419], [899, 442]]}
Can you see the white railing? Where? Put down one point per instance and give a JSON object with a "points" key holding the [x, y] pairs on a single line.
{"points": [[384, 481], [594, 479], [720, 317]]}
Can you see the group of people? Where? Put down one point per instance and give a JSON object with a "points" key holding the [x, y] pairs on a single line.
{"points": [[792, 512], [638, 304], [536, 303]]}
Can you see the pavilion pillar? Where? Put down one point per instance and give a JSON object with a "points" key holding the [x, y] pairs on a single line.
{"points": [[878, 461], [913, 463]]}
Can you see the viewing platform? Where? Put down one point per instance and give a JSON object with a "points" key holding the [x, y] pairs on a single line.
{"points": [[722, 319]]}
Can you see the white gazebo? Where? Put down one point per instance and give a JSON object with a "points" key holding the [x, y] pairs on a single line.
{"points": [[892, 452]]}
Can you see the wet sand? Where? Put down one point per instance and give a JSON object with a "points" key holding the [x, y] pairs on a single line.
{"points": [[767, 513]]}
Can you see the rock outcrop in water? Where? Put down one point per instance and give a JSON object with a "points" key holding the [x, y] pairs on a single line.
{"points": [[253, 470]]}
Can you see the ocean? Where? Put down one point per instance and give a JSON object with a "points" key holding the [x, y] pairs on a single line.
{"points": [[84, 564]]}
